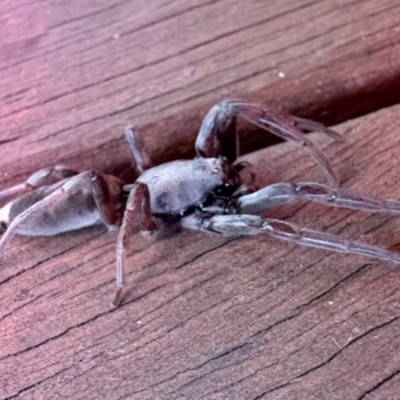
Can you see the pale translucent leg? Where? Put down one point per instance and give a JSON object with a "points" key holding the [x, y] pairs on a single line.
{"points": [[141, 160], [220, 122], [37, 179], [232, 225], [281, 193]]}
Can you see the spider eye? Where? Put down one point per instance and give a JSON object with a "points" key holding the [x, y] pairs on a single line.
{"points": [[3, 226]]}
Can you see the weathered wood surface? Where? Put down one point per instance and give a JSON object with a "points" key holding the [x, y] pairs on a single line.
{"points": [[205, 317]]}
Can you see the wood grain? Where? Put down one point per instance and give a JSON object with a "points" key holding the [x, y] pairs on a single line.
{"points": [[205, 317], [69, 86]]}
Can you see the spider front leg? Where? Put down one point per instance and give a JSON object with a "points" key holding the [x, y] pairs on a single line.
{"points": [[217, 135], [281, 193], [307, 237], [137, 210], [233, 225]]}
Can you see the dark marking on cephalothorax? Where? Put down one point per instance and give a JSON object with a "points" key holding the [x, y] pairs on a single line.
{"points": [[162, 201]]}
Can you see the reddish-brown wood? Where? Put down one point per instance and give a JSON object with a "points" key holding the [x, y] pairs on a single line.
{"points": [[204, 317], [69, 86]]}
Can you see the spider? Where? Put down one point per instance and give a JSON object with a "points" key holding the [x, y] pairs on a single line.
{"points": [[204, 194]]}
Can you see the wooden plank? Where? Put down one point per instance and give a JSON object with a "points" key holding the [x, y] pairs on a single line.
{"points": [[216, 318], [273, 320], [78, 75]]}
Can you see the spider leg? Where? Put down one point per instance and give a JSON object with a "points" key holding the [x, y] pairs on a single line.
{"points": [[241, 224], [83, 200], [307, 125], [137, 210], [221, 122], [281, 193], [217, 135], [307, 237], [141, 160], [37, 179], [106, 191]]}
